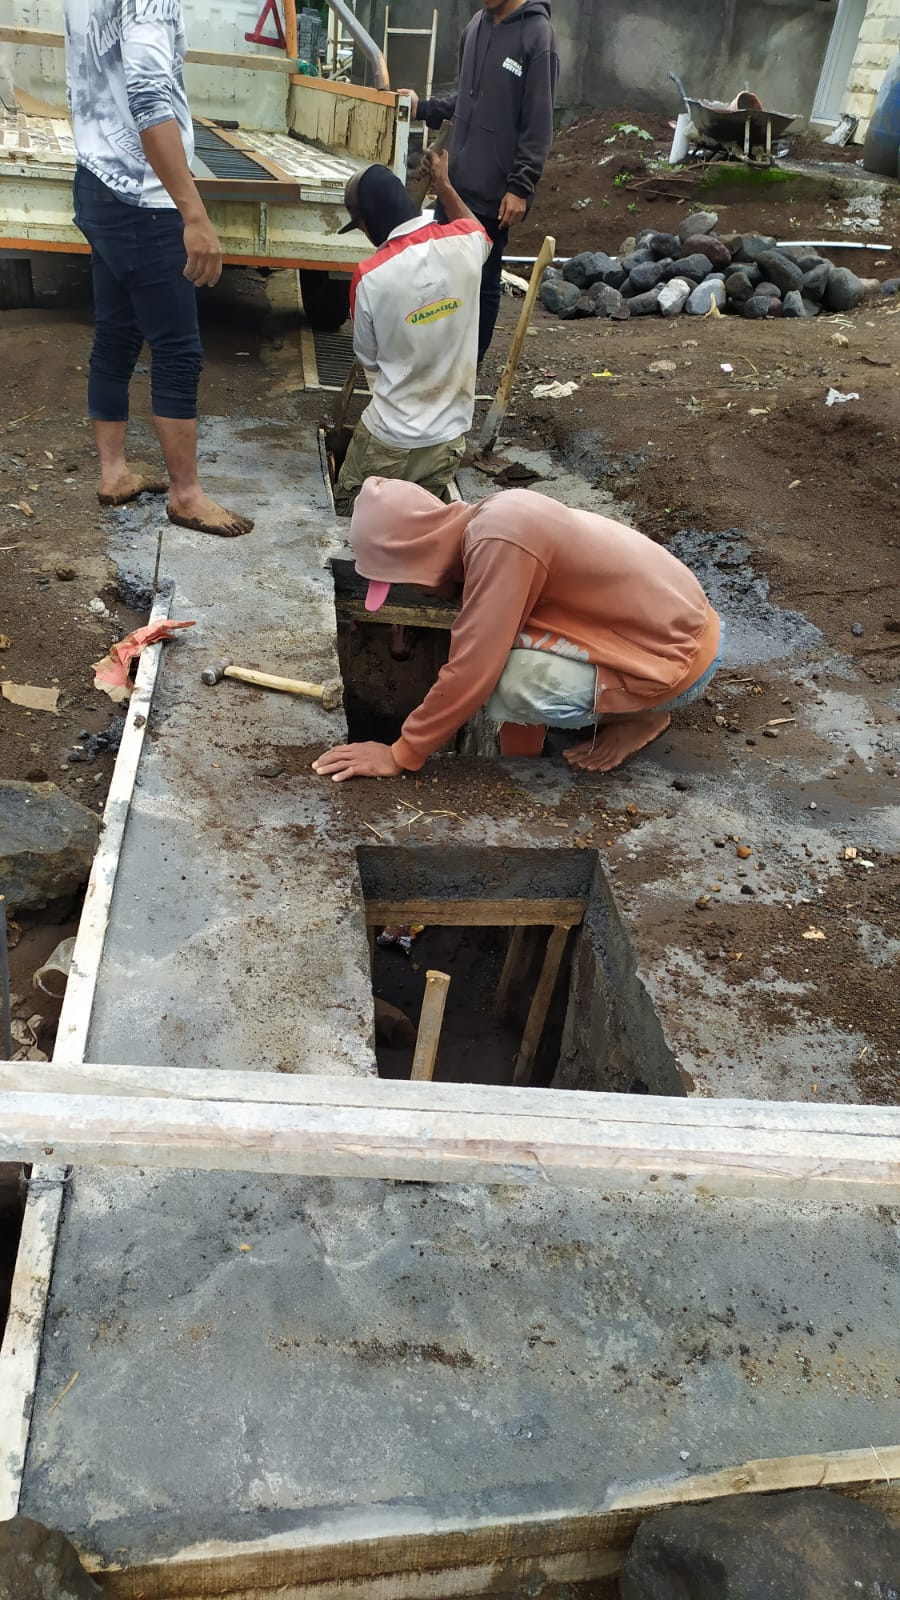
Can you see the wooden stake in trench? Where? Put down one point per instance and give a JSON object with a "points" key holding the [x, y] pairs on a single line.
{"points": [[494, 418], [540, 1005], [430, 1020]]}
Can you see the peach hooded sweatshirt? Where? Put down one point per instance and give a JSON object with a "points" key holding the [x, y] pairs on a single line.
{"points": [[535, 574]]}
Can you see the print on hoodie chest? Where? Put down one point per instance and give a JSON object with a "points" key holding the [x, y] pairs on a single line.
{"points": [[513, 66]]}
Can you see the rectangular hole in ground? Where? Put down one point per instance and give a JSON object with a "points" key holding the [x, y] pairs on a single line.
{"points": [[387, 666], [476, 1046], [600, 1031]]}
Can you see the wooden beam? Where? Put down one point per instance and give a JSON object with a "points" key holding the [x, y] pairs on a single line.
{"points": [[348, 91], [448, 1133], [21, 1348], [459, 1557], [513, 962], [540, 1005], [477, 913], [354, 610]]}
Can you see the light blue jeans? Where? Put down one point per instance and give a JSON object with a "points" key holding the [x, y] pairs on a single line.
{"points": [[537, 686]]}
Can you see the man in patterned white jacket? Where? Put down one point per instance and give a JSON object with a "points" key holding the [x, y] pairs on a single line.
{"points": [[152, 243]]}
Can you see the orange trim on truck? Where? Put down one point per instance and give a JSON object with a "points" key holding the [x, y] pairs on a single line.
{"points": [[55, 247]]}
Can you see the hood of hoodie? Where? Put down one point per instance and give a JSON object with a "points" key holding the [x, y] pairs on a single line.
{"points": [[401, 533]]}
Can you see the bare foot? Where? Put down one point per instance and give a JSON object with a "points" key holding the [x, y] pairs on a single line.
{"points": [[616, 740], [204, 515], [128, 484]]}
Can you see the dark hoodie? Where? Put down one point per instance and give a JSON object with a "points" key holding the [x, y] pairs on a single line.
{"points": [[502, 110]]}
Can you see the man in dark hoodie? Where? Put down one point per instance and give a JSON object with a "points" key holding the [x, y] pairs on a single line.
{"points": [[502, 114]]}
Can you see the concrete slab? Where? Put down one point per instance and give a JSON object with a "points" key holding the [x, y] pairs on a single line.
{"points": [[389, 1357], [232, 941]]}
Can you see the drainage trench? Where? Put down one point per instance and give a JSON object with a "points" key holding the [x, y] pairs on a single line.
{"points": [[543, 984]]}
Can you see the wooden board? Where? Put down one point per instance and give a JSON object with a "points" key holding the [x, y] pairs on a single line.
{"points": [[20, 1352], [354, 610], [452, 1559], [852, 1154], [477, 913]]}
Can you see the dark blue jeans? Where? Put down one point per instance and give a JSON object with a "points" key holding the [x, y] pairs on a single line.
{"points": [[489, 305], [140, 292]]}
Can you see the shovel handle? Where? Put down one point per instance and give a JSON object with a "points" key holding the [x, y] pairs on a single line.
{"points": [[497, 412]]}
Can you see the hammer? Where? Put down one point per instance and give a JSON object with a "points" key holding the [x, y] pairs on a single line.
{"points": [[330, 693]]}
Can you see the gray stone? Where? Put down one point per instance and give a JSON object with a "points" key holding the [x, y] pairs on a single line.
{"points": [[844, 290], [750, 246], [626, 247], [739, 286], [47, 843], [794, 305], [758, 306], [37, 1563], [808, 1544], [613, 276], [587, 268], [703, 244], [890, 286], [557, 295], [598, 301], [674, 296], [551, 275], [815, 282], [707, 294], [811, 307], [644, 305], [584, 306], [647, 275], [805, 258], [771, 290], [698, 222], [785, 274], [635, 259], [695, 266], [608, 302], [663, 245]]}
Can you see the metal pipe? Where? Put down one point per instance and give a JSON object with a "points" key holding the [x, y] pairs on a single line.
{"points": [[5, 1013], [365, 41]]}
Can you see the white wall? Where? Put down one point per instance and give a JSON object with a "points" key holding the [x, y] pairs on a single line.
{"points": [[879, 41]]}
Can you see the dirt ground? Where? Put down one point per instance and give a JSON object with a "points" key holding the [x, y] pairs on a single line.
{"points": [[734, 434], [599, 187]]}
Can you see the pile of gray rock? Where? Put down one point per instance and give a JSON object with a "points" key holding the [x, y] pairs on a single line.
{"points": [[695, 270]]}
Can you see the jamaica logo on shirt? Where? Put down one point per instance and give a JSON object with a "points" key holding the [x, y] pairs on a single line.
{"points": [[433, 312]]}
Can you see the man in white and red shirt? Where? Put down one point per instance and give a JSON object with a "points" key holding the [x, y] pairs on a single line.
{"points": [[415, 332]]}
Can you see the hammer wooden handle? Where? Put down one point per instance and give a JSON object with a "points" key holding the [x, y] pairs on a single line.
{"points": [[267, 680]]}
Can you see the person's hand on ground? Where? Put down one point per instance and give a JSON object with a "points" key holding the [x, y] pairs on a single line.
{"points": [[512, 210], [414, 107], [368, 760], [204, 254]]}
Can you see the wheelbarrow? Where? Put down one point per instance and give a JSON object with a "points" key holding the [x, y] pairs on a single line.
{"points": [[745, 120]]}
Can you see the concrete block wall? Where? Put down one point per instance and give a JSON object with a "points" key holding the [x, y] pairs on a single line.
{"points": [[879, 41]]}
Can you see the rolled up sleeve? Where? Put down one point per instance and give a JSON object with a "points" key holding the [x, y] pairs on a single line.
{"points": [[149, 63]]}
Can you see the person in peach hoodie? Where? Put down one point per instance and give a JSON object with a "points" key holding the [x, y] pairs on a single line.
{"points": [[567, 619]]}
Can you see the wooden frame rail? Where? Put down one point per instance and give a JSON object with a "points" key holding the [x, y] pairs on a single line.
{"points": [[447, 1133]]}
